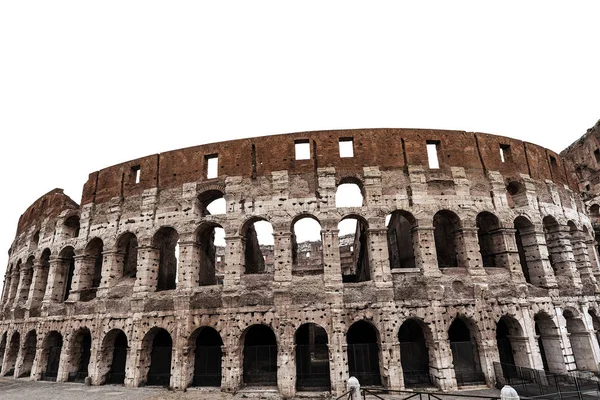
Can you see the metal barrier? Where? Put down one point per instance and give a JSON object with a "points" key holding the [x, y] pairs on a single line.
{"points": [[377, 393], [539, 384]]}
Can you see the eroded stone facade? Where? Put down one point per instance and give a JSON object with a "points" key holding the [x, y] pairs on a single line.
{"points": [[489, 257]]}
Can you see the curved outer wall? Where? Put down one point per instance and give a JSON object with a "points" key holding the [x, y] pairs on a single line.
{"points": [[260, 177]]}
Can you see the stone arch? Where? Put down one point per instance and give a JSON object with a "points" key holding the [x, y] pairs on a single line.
{"points": [[549, 343], [42, 276], [156, 358], [212, 202], [511, 344], [490, 246], [363, 353], [312, 358], [354, 248], [446, 225], [71, 227], [35, 240], [91, 273], [65, 271], [258, 245], [349, 193], [25, 278], [524, 233], [401, 239], [205, 355], [210, 247], [3, 340], [113, 357], [127, 254], [28, 354], [12, 353], [416, 359], [80, 350], [259, 356], [307, 248], [462, 334], [516, 194], [580, 340], [50, 360], [551, 230], [166, 242]]}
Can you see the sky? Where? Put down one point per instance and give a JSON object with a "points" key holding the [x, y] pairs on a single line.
{"points": [[85, 85]]}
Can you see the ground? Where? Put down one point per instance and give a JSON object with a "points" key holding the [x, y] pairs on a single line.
{"points": [[21, 389]]}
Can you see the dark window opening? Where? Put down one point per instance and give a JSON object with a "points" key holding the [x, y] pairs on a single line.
{"points": [[464, 355], [116, 374], [597, 155], [53, 348], [67, 257], [414, 355], [159, 373], [504, 152], [128, 251], [259, 254], [166, 243], [400, 240], [211, 244], [207, 358], [260, 357], [363, 353], [445, 227], [353, 248], [71, 227], [523, 227], [10, 360], [28, 354], [487, 228], [312, 358], [80, 356]]}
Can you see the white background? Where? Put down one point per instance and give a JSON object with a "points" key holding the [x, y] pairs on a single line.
{"points": [[85, 85]]}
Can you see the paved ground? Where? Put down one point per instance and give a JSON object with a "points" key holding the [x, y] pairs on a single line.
{"points": [[22, 389]]}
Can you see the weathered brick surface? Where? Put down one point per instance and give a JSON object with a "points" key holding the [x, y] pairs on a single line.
{"points": [[76, 278]]}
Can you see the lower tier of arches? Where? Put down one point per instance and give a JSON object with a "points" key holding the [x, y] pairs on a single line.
{"points": [[307, 349]]}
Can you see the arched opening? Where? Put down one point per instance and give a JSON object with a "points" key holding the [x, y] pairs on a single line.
{"points": [[307, 247], [28, 351], [35, 240], [127, 248], [595, 323], [516, 194], [66, 270], [212, 202], [81, 348], [505, 349], [207, 352], [26, 276], [312, 358], [165, 241], [258, 247], [414, 355], [551, 233], [260, 356], [465, 356], [348, 194], [363, 353], [523, 228], [354, 249], [445, 227], [43, 272], [71, 227], [2, 348], [400, 225], [487, 228], [12, 353], [512, 350], [581, 343], [159, 373], [52, 348], [14, 282], [211, 252], [113, 357], [549, 344], [7, 284], [93, 262]]}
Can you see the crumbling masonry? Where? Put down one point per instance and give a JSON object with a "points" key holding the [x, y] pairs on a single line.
{"points": [[482, 253]]}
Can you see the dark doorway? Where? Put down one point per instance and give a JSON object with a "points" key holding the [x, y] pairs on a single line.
{"points": [[2, 346], [116, 374], [414, 355], [260, 356], [53, 347], [464, 355], [503, 341], [363, 353], [312, 358], [81, 356], [207, 358], [160, 360], [28, 354], [12, 354]]}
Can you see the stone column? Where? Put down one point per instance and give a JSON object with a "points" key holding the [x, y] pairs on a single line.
{"points": [[559, 248], [332, 266], [188, 273], [538, 264], [112, 270], [82, 277], [444, 377], [286, 365], [57, 280], [379, 255], [25, 276], [392, 364], [582, 261], [234, 262], [6, 287], [65, 355], [283, 254], [179, 364], [135, 373], [38, 367], [424, 247], [593, 255], [338, 353], [506, 252], [14, 284], [38, 286], [232, 369], [147, 270]]}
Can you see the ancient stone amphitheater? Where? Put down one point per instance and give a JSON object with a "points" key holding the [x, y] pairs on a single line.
{"points": [[465, 249]]}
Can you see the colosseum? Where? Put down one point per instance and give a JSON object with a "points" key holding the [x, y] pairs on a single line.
{"points": [[457, 250]]}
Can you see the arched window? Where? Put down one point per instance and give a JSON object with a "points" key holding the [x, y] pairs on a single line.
{"points": [[551, 232], [414, 354], [363, 353], [206, 353], [127, 248], [400, 238], [354, 249], [258, 247], [516, 194], [93, 261], [523, 231], [35, 240], [211, 251], [307, 247], [312, 358], [349, 194], [166, 242], [212, 202], [445, 227], [260, 356], [487, 226], [66, 270], [71, 227]]}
